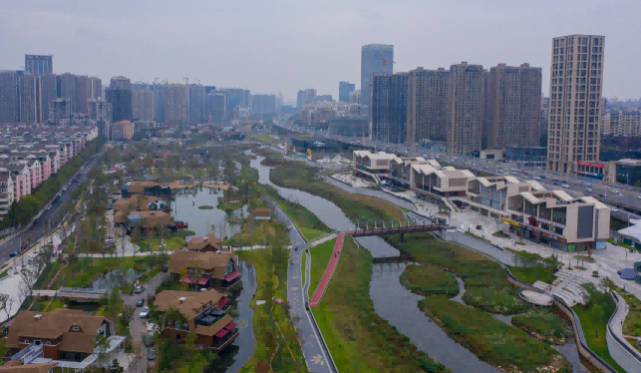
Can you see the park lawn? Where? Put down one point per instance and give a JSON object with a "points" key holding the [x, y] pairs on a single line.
{"points": [[320, 256], [492, 340], [632, 324], [311, 234], [357, 337], [56, 303], [270, 266], [171, 244], [486, 281], [361, 207], [86, 270], [531, 275], [545, 326], [589, 325], [429, 280], [262, 233]]}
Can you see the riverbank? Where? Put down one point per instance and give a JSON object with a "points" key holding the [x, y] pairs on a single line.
{"points": [[506, 347], [359, 339], [296, 175], [277, 344], [321, 255], [485, 280]]}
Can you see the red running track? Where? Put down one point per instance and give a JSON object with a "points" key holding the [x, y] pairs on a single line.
{"points": [[329, 272]]}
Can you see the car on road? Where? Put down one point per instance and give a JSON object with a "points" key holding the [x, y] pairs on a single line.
{"points": [[537, 178], [147, 340], [151, 354], [144, 312], [140, 303], [165, 269], [14, 253], [139, 289], [151, 296], [601, 195], [566, 186]]}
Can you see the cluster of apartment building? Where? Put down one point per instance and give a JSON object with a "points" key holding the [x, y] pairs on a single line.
{"points": [[30, 154], [531, 211], [622, 122]]}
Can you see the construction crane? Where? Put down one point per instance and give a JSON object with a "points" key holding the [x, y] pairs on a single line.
{"points": [[155, 80], [186, 79], [385, 61]]}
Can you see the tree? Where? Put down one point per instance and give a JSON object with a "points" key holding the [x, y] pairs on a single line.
{"points": [[115, 367], [6, 303]]}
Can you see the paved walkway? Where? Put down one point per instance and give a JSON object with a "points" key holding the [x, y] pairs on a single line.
{"points": [[329, 272], [309, 340], [618, 319]]}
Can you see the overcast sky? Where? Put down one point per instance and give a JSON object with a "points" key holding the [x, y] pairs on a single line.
{"points": [[289, 45]]}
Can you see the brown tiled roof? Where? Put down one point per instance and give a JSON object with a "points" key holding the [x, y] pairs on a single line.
{"points": [[152, 219], [139, 186], [119, 217], [167, 299], [262, 211], [132, 203], [53, 325], [30, 368], [198, 243], [214, 328], [208, 260]]}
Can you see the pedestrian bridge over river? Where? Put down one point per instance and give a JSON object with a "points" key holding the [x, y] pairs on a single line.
{"points": [[378, 228]]}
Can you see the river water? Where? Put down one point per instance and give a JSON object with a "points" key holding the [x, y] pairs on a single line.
{"points": [[391, 299], [234, 357], [185, 207]]}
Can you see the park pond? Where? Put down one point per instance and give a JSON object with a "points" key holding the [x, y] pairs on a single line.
{"points": [[392, 300], [185, 207]]}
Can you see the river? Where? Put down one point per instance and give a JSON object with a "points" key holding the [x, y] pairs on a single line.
{"points": [[391, 299], [234, 357]]}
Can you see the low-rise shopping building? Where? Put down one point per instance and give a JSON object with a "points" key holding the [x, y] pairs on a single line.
{"points": [[371, 165], [202, 313], [439, 182], [401, 167], [489, 195], [558, 219]]}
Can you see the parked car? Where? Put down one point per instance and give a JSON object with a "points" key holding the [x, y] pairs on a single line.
{"points": [[165, 269], [140, 303], [144, 312], [147, 340], [151, 296], [110, 243], [566, 186], [139, 289], [151, 354], [589, 190], [24, 246], [601, 195], [14, 253]]}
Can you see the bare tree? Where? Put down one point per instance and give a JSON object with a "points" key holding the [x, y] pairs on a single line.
{"points": [[6, 303]]}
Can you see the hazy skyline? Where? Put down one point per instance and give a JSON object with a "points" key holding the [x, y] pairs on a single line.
{"points": [[290, 45]]}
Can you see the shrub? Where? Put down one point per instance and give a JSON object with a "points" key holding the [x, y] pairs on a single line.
{"points": [[478, 227]]}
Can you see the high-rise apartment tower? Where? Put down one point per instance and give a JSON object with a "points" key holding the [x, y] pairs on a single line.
{"points": [[466, 103], [513, 106], [38, 64], [576, 81], [372, 57], [427, 105]]}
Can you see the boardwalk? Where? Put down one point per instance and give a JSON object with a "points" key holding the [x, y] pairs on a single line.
{"points": [[329, 272]]}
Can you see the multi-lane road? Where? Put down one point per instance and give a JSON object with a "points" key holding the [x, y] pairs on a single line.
{"points": [[619, 198], [49, 218]]}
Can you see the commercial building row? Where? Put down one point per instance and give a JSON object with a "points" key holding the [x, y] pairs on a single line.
{"points": [[551, 217], [31, 154]]}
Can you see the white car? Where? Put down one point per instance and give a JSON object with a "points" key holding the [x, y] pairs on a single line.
{"points": [[566, 186], [639, 197], [537, 178], [144, 312]]}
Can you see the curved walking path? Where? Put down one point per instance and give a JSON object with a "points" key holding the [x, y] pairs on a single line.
{"points": [[626, 356], [329, 272], [309, 340]]}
